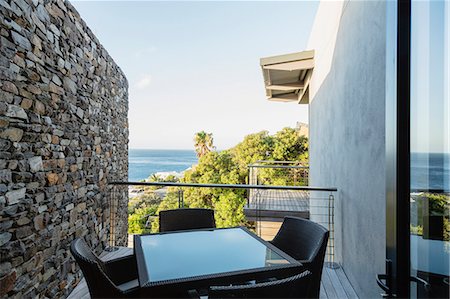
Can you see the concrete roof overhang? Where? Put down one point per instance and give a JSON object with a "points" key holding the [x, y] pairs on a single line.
{"points": [[286, 77]]}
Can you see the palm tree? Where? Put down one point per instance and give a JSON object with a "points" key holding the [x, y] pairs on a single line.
{"points": [[203, 143], [154, 178]]}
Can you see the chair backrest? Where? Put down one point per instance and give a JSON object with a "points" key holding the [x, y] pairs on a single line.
{"points": [[94, 271], [305, 241], [291, 287], [185, 219]]}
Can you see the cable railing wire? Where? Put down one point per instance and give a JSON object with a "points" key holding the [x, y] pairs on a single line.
{"points": [[284, 200]]}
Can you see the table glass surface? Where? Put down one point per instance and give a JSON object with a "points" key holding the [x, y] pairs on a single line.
{"points": [[193, 253]]}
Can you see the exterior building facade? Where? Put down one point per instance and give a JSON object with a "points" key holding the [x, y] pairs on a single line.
{"points": [[347, 131], [375, 78]]}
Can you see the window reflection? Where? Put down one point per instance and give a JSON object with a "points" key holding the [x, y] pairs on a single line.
{"points": [[430, 147]]}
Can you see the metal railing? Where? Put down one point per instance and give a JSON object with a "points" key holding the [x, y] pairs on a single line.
{"points": [[315, 205], [263, 202], [292, 173]]}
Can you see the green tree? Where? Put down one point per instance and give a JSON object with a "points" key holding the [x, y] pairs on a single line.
{"points": [[142, 201], [154, 178], [254, 147], [138, 221], [231, 167], [229, 208], [432, 204], [289, 146], [203, 143], [170, 202], [213, 168]]}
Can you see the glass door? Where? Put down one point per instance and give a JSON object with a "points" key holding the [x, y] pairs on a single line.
{"points": [[417, 150], [430, 149]]}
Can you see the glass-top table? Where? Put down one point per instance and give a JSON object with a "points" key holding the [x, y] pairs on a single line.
{"points": [[204, 254]]}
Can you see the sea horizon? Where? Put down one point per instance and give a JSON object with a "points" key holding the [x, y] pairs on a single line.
{"points": [[142, 163], [428, 170], [160, 149]]}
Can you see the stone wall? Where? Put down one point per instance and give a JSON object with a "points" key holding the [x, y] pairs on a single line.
{"points": [[63, 136]]}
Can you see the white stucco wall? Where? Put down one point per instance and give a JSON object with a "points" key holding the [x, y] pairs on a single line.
{"points": [[347, 131]]}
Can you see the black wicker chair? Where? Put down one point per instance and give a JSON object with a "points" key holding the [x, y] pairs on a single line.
{"points": [[186, 219], [306, 241], [110, 279], [291, 287]]}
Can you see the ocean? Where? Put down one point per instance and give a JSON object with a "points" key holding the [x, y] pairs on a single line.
{"points": [[144, 162], [428, 171]]}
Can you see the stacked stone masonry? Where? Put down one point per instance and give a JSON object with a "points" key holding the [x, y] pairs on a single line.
{"points": [[63, 137]]}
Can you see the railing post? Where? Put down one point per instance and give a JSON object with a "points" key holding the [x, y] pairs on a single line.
{"points": [[258, 196], [331, 263], [180, 198], [112, 219]]}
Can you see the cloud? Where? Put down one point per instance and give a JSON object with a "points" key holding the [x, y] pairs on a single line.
{"points": [[144, 52], [144, 82]]}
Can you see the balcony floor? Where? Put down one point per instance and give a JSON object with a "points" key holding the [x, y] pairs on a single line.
{"points": [[335, 284], [334, 281], [273, 205]]}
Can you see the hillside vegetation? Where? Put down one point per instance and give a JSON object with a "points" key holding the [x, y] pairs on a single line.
{"points": [[221, 167]]}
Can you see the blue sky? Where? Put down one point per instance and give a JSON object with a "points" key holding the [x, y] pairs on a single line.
{"points": [[430, 101], [194, 66]]}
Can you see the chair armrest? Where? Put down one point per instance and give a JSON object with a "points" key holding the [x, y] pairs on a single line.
{"points": [[193, 294], [307, 264], [122, 269], [132, 293]]}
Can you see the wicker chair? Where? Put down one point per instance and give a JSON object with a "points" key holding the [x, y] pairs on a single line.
{"points": [[306, 241], [291, 287], [111, 279], [186, 219]]}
